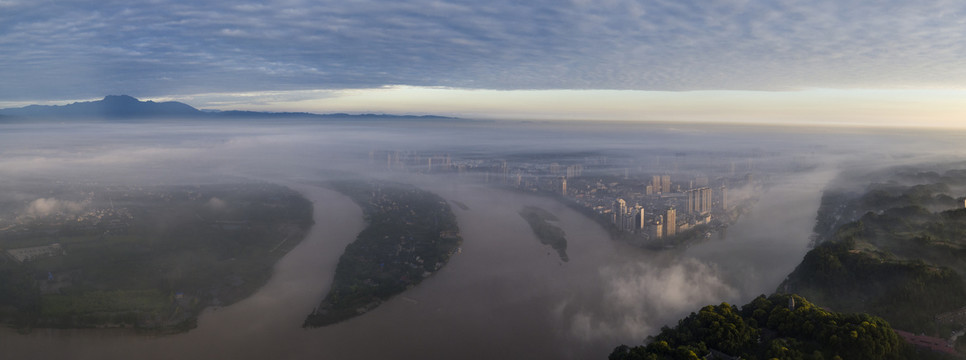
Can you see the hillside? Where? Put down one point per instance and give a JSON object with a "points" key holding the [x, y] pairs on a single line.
{"points": [[887, 252], [894, 248], [778, 326], [909, 294]]}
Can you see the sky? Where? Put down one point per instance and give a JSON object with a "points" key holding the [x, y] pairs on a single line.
{"points": [[888, 63]]}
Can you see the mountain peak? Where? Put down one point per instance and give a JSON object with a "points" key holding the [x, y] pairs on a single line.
{"points": [[111, 107], [120, 99]]}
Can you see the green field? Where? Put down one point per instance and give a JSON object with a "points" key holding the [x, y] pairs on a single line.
{"points": [[149, 258]]}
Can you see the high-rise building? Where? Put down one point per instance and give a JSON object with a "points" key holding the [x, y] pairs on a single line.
{"points": [[665, 184], [505, 172], [723, 202], [620, 208], [656, 229], [699, 201], [574, 171], [670, 222], [563, 186], [656, 183], [691, 208], [707, 199], [629, 223]]}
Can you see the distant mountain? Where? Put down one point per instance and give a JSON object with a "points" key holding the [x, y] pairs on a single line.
{"points": [[120, 107], [111, 107]]}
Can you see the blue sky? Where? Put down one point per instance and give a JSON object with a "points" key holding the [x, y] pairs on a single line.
{"points": [[319, 55]]}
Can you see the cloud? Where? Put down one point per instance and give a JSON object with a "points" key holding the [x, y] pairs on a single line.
{"points": [[174, 47], [49, 206], [637, 298], [216, 204]]}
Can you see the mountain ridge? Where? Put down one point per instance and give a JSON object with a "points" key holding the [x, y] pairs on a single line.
{"points": [[118, 107]]}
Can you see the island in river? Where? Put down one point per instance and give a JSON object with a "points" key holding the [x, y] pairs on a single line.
{"points": [[549, 234], [410, 234]]}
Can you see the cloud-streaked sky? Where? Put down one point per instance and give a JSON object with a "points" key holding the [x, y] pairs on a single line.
{"points": [[284, 51]]}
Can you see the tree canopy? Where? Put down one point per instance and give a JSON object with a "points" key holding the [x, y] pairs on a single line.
{"points": [[779, 326]]}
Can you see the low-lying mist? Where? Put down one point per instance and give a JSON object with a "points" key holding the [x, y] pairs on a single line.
{"points": [[506, 295]]}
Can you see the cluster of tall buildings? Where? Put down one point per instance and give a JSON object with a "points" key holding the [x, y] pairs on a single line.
{"points": [[402, 160], [660, 184], [637, 219], [699, 200], [571, 171], [668, 209], [660, 208]]}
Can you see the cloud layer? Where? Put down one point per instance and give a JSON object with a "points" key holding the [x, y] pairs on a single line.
{"points": [[638, 298], [78, 49]]}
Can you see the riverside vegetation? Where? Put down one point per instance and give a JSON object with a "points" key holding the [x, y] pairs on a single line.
{"points": [[549, 234], [149, 258], [410, 234], [775, 327], [896, 248]]}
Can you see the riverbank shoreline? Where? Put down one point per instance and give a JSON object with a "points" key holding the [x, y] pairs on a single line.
{"points": [[251, 327]]}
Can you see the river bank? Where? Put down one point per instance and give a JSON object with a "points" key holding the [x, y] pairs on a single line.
{"points": [[506, 295], [261, 326]]}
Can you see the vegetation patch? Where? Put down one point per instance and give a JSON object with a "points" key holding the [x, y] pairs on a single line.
{"points": [[411, 234], [149, 258], [775, 327], [548, 233], [895, 248]]}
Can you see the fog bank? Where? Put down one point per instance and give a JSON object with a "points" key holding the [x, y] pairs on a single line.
{"points": [[506, 295]]}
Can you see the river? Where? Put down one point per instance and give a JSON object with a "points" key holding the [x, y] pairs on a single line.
{"points": [[505, 296], [262, 326]]}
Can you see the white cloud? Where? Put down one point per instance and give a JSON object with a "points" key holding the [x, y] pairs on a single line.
{"points": [[50, 206], [638, 298], [615, 44], [216, 204]]}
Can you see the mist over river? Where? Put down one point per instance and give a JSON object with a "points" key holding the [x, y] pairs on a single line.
{"points": [[505, 295]]}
